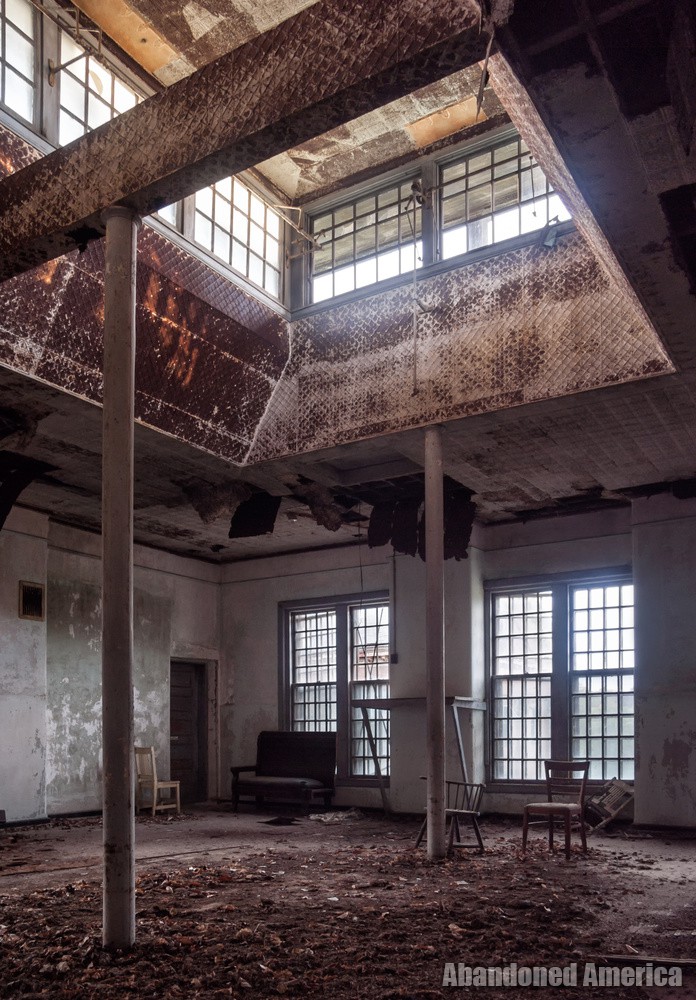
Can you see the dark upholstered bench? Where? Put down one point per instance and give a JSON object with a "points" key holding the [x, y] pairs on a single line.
{"points": [[289, 765]]}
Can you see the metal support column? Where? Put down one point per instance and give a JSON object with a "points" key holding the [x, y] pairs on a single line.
{"points": [[434, 642], [117, 578]]}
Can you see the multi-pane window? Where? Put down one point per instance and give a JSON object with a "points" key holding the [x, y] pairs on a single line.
{"points": [[493, 195], [481, 198], [18, 57], [521, 684], [561, 666], [601, 677], [313, 683], [242, 230], [369, 680], [90, 94], [338, 655], [375, 237]]}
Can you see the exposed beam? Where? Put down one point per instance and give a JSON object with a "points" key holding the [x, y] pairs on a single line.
{"points": [[329, 64]]}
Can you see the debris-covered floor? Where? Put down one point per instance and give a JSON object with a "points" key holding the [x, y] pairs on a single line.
{"points": [[237, 906]]}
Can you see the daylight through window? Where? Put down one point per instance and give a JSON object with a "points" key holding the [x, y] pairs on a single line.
{"points": [[18, 57], [561, 670], [339, 655]]}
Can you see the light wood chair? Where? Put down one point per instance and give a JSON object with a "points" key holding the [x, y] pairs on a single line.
{"points": [[146, 781], [462, 802], [565, 800]]}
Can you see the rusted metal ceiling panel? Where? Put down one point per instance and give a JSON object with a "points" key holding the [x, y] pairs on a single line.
{"points": [[325, 66], [208, 354], [523, 326]]}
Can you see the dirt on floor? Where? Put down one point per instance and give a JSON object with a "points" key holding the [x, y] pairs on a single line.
{"points": [[243, 907]]}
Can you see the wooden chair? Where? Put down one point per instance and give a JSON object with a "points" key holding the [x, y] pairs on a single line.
{"points": [[462, 802], [606, 804], [565, 800], [146, 781]]}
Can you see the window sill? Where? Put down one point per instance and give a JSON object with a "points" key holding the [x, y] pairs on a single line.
{"points": [[533, 787], [358, 782], [430, 271]]}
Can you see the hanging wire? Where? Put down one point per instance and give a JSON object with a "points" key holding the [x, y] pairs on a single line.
{"points": [[415, 201]]}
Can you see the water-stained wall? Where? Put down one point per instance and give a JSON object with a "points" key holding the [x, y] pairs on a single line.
{"points": [[74, 766], [22, 671], [664, 543]]}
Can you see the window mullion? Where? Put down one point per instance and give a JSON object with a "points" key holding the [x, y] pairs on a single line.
{"points": [[49, 96], [429, 224], [560, 746], [343, 689]]}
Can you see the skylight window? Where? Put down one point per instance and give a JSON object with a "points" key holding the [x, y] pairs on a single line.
{"points": [[18, 57], [237, 226], [90, 94], [494, 195], [480, 197], [373, 238]]}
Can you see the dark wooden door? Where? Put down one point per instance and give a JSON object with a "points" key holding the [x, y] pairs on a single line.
{"points": [[187, 720]]}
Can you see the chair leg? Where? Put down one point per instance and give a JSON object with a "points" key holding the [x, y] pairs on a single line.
{"points": [[450, 836], [421, 832], [567, 835], [178, 799], [583, 838], [550, 833], [477, 831], [525, 827]]}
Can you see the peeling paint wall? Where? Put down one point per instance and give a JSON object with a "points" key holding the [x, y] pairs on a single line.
{"points": [[22, 671], [174, 615], [664, 543]]}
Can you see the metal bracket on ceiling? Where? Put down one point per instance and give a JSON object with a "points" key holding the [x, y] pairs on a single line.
{"points": [[313, 239]]}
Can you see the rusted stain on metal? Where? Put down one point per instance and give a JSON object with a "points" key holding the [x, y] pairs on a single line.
{"points": [[246, 106], [15, 153], [522, 326], [208, 354]]}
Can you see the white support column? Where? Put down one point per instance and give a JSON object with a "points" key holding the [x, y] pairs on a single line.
{"points": [[117, 578], [434, 641]]}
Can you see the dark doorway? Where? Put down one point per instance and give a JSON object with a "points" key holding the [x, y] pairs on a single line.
{"points": [[188, 725]]}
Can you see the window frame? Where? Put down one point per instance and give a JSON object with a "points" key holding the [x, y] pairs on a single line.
{"points": [[37, 45], [43, 134], [561, 586], [428, 170], [341, 604]]}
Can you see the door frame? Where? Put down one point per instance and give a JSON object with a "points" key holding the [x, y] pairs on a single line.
{"points": [[207, 719]]}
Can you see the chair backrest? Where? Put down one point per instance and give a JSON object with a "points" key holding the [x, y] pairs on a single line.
{"points": [[566, 780], [463, 795], [145, 763]]}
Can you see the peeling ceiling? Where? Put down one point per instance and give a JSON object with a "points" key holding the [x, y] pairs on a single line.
{"points": [[603, 91], [170, 40]]}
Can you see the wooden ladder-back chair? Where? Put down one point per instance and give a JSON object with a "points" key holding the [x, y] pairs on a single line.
{"points": [[146, 781], [565, 800], [462, 802]]}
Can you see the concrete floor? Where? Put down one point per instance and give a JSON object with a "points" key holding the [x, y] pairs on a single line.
{"points": [[43, 855]]}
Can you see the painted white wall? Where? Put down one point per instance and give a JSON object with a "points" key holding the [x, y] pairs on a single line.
{"points": [[22, 670], [664, 554], [175, 615], [50, 675]]}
